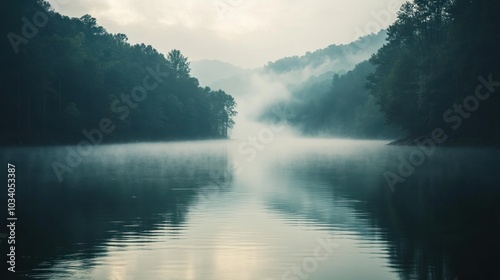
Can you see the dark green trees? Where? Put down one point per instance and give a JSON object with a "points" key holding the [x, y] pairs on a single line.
{"points": [[222, 106], [179, 64], [331, 101], [429, 69], [340, 107], [71, 73]]}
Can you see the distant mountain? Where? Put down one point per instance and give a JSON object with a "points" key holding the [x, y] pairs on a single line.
{"points": [[336, 58], [209, 71], [293, 71]]}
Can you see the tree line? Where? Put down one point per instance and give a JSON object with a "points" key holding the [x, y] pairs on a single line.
{"points": [[339, 106], [439, 69], [336, 102], [61, 75]]}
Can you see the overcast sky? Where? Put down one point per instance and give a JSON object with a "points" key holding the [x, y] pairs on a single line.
{"points": [[247, 33]]}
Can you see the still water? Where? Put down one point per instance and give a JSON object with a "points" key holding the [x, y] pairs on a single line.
{"points": [[292, 209]]}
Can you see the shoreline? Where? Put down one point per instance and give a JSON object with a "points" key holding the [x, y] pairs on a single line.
{"points": [[18, 143], [452, 141]]}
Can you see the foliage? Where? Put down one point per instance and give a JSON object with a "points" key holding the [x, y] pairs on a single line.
{"points": [[435, 52], [72, 73], [340, 106]]}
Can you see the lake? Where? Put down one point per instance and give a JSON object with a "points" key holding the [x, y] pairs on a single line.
{"points": [[289, 209]]}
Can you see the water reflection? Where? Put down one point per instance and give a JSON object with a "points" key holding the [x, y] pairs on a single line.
{"points": [[180, 211], [120, 198], [441, 223]]}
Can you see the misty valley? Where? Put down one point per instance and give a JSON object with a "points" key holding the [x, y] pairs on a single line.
{"points": [[374, 157]]}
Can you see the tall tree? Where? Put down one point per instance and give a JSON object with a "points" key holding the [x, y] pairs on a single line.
{"points": [[179, 64]]}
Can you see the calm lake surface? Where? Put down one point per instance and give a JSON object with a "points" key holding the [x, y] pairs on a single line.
{"points": [[297, 209]]}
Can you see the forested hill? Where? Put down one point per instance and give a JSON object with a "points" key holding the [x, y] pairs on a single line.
{"points": [[338, 106], [440, 71], [436, 77], [334, 58], [332, 100], [64, 78]]}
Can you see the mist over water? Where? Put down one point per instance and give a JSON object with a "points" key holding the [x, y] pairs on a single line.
{"points": [[186, 211], [124, 160]]}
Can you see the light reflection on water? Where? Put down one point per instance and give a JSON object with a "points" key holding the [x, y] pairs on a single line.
{"points": [[202, 210]]}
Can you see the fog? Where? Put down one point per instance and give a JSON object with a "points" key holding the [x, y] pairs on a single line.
{"points": [[264, 90], [258, 91]]}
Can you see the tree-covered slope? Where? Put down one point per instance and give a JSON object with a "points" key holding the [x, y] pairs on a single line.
{"points": [[338, 105], [62, 76], [440, 70]]}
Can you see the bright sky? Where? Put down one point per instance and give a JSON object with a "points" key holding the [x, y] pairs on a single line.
{"points": [[247, 33]]}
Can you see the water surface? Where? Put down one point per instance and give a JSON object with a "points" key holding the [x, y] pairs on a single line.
{"points": [[203, 210]]}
